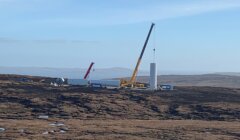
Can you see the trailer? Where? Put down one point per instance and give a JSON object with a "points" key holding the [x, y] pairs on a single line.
{"points": [[105, 83], [78, 82]]}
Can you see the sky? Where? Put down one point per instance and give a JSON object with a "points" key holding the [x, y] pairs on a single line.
{"points": [[199, 35]]}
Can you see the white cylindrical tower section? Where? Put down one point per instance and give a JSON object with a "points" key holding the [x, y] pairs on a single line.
{"points": [[153, 76]]}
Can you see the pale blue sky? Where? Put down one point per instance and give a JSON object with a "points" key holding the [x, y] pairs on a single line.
{"points": [[199, 35]]}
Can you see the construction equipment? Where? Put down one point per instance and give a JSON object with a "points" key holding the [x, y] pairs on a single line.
{"points": [[132, 82], [88, 71]]}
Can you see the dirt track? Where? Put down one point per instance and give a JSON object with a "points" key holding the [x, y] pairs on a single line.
{"points": [[27, 100]]}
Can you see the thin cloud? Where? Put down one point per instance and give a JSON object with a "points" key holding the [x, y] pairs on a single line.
{"points": [[153, 12], [9, 40], [48, 41], [63, 41], [52, 13]]}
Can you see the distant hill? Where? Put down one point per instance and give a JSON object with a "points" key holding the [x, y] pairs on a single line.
{"points": [[231, 80], [211, 80], [98, 73], [70, 72], [229, 73]]}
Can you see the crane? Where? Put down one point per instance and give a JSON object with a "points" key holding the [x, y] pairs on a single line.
{"points": [[89, 70], [132, 82]]}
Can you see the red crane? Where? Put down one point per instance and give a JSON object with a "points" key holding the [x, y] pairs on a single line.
{"points": [[89, 70]]}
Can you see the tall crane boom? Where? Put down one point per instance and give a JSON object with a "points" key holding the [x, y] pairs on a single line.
{"points": [[133, 78], [89, 70]]}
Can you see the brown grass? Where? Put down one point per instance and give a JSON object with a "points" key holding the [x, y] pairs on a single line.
{"points": [[121, 129]]}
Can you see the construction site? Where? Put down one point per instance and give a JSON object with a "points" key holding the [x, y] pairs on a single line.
{"points": [[34, 107], [130, 83]]}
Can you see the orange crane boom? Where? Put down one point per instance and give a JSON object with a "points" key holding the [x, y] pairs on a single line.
{"points": [[133, 78], [132, 81]]}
